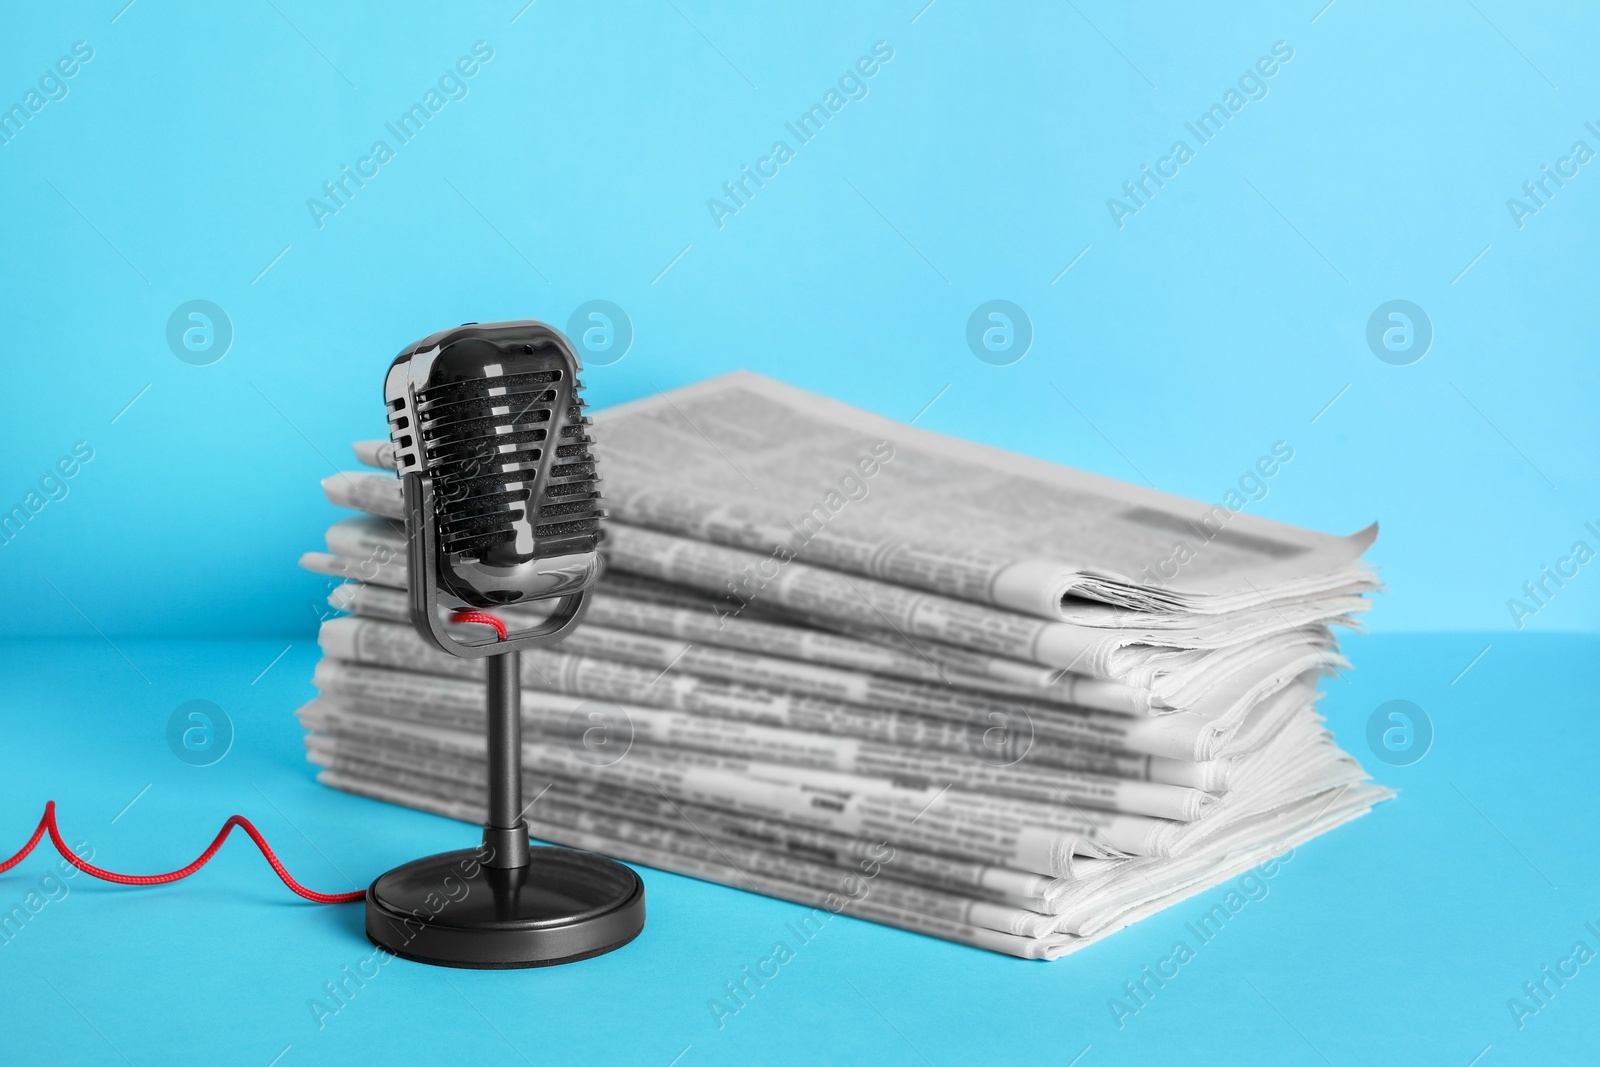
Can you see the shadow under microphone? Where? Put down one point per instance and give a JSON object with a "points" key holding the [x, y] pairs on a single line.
{"points": [[502, 509]]}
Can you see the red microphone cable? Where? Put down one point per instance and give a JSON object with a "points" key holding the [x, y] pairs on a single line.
{"points": [[480, 617], [48, 825]]}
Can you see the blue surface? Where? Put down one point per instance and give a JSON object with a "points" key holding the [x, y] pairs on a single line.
{"points": [[1225, 315], [1397, 939]]}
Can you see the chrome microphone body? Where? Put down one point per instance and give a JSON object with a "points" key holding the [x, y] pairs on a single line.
{"points": [[502, 508], [502, 499]]}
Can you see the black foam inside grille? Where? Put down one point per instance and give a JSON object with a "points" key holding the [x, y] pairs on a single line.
{"points": [[571, 507], [485, 444], [470, 389], [566, 529]]}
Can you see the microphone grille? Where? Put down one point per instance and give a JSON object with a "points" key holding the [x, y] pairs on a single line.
{"points": [[510, 459]]}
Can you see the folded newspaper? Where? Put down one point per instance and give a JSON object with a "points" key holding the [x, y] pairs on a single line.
{"points": [[874, 670]]}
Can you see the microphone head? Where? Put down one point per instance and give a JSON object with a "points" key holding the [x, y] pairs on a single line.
{"points": [[490, 415]]}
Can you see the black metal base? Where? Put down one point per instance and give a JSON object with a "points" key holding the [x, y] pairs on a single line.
{"points": [[453, 911]]}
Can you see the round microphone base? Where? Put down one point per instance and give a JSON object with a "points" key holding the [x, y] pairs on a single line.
{"points": [[452, 911]]}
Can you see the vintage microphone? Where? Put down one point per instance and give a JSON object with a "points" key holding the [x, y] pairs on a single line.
{"points": [[502, 509]]}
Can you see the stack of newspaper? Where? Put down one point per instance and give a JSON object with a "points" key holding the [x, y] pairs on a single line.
{"points": [[877, 671]]}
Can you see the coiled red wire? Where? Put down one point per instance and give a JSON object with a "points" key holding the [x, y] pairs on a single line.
{"points": [[48, 825], [481, 617]]}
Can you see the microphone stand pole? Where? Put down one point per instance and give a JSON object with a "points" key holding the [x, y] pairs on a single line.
{"points": [[505, 834], [503, 904]]}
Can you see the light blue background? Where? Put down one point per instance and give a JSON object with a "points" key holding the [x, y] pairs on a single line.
{"points": [[1226, 315], [1223, 317]]}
